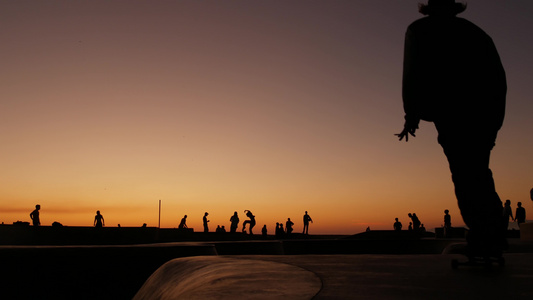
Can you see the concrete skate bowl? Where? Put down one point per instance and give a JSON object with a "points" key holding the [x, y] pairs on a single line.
{"points": [[228, 278]]}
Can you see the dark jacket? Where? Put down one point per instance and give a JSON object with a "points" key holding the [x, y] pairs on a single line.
{"points": [[452, 71]]}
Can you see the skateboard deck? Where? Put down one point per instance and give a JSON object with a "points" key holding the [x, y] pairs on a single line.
{"points": [[472, 260], [477, 261]]}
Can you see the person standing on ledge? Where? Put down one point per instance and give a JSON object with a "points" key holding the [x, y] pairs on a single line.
{"points": [[34, 216], [447, 223], [307, 219], [205, 220], [98, 220], [520, 215], [507, 212], [397, 225], [234, 222], [454, 78], [288, 226]]}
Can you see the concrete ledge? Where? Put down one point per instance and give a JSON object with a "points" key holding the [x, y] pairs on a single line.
{"points": [[229, 278]]}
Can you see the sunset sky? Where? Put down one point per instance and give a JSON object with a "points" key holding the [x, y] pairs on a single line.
{"points": [[277, 107]]}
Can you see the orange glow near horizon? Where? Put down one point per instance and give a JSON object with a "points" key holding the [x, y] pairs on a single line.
{"points": [[275, 107]]}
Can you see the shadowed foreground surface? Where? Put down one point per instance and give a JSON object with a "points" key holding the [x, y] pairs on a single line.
{"points": [[217, 277], [347, 277], [345, 269]]}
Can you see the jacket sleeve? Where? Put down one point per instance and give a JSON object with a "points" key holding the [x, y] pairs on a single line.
{"points": [[410, 96]]}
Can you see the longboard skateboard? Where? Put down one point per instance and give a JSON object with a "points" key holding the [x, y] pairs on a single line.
{"points": [[472, 260], [477, 261]]}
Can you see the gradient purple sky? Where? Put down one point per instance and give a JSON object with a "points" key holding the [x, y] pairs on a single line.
{"points": [[273, 106]]}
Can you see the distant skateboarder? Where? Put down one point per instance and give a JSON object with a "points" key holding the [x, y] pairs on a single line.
{"points": [[183, 222], [307, 219], [251, 221], [34, 215], [454, 78]]}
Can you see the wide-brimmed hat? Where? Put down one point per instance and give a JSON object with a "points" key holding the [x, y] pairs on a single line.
{"points": [[441, 7]]}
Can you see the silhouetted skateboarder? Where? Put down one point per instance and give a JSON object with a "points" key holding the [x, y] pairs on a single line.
{"points": [[183, 222], [251, 221], [454, 78]]}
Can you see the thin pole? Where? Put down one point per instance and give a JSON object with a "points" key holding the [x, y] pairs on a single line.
{"points": [[159, 224]]}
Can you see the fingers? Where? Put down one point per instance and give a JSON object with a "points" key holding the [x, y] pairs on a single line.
{"points": [[399, 135], [402, 135]]}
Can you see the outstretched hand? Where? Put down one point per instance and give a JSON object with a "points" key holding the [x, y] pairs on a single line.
{"points": [[405, 133], [409, 128]]}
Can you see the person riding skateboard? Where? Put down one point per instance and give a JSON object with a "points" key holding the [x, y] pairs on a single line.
{"points": [[453, 77]]}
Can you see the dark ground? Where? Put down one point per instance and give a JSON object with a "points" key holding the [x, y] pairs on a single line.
{"points": [[118, 272]]}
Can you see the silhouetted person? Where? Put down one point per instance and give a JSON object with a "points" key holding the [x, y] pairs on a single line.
{"points": [[264, 231], [288, 226], [397, 225], [531, 194], [251, 221], [98, 220], [223, 229], [183, 222], [34, 216], [410, 228], [234, 222], [276, 232], [520, 215], [205, 221], [447, 223], [454, 78], [422, 228], [218, 229], [507, 212], [416, 221], [307, 219]]}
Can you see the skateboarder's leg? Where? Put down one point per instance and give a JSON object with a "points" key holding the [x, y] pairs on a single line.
{"points": [[478, 201]]}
